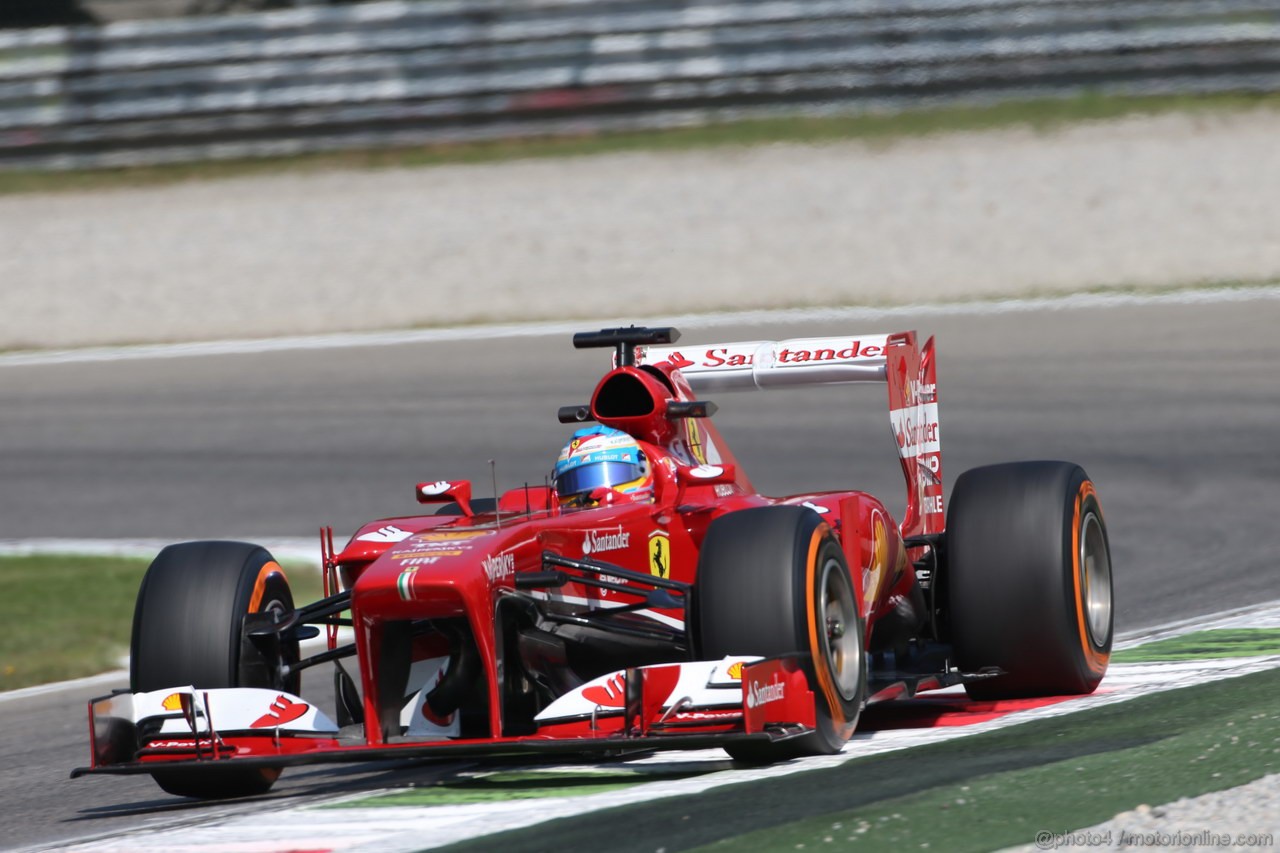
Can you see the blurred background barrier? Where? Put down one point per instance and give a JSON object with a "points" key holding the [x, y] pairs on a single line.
{"points": [[321, 77]]}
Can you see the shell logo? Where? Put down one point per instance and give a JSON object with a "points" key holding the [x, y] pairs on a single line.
{"points": [[880, 545], [735, 671], [172, 702], [874, 576]]}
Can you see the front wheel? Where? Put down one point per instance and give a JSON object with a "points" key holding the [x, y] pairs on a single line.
{"points": [[1029, 579], [773, 581], [188, 630]]}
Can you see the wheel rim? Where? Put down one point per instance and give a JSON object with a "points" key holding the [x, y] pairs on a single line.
{"points": [[1095, 579], [841, 639]]}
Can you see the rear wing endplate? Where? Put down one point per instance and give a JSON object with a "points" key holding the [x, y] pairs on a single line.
{"points": [[895, 359]]}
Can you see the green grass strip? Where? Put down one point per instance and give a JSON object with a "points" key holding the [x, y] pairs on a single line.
{"points": [[513, 785], [70, 616], [64, 617], [873, 127], [983, 792], [1218, 643]]}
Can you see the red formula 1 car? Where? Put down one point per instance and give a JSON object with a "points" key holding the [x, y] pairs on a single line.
{"points": [[650, 598]]}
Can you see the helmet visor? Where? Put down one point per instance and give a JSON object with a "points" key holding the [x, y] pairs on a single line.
{"points": [[587, 478]]}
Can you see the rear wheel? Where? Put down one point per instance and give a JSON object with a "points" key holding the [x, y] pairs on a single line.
{"points": [[773, 581], [188, 630], [1029, 579]]}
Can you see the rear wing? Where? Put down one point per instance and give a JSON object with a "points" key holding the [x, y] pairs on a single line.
{"points": [[896, 359]]}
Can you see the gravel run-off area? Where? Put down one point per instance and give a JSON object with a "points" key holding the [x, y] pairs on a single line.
{"points": [[1144, 201]]}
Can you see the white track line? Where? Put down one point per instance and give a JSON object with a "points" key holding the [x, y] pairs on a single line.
{"points": [[1197, 296], [1264, 615], [102, 678], [299, 550]]}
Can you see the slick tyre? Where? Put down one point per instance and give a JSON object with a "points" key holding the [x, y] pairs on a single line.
{"points": [[1029, 579], [773, 581], [187, 630]]}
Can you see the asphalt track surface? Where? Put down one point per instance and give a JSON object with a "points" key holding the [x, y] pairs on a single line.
{"points": [[1171, 408]]}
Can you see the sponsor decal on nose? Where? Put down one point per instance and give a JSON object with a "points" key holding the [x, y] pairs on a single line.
{"points": [[500, 567], [596, 541]]}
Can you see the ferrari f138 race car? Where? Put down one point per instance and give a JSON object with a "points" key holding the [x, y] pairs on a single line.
{"points": [[648, 598]]}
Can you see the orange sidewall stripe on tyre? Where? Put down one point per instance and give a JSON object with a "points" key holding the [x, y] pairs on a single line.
{"points": [[1094, 659], [260, 585], [825, 683]]}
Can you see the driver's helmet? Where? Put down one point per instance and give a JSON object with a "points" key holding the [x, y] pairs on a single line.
{"points": [[599, 457]]}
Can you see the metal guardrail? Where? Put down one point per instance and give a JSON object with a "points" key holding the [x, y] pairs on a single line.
{"points": [[401, 73]]}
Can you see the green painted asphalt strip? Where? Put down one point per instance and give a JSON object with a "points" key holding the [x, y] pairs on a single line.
{"points": [[983, 792], [1202, 645]]}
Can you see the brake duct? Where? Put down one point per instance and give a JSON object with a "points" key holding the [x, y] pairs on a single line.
{"points": [[459, 677]]}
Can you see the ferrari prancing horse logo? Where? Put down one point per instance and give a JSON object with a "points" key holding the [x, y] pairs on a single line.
{"points": [[659, 554]]}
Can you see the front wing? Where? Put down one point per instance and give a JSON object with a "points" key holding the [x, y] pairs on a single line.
{"points": [[693, 705]]}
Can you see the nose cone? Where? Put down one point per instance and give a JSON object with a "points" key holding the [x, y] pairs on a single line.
{"points": [[439, 573]]}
